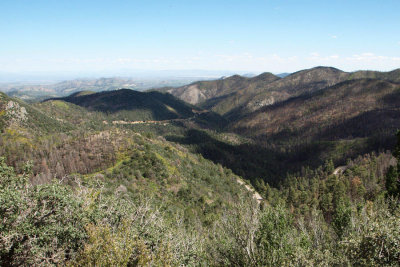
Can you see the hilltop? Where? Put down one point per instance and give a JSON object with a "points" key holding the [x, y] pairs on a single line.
{"points": [[19, 117], [126, 104]]}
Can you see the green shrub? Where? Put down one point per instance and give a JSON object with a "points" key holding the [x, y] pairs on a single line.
{"points": [[375, 241], [40, 225]]}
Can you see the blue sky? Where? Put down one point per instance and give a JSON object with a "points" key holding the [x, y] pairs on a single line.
{"points": [[275, 36]]}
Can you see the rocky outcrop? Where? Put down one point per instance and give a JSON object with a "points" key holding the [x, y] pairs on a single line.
{"points": [[15, 112]]}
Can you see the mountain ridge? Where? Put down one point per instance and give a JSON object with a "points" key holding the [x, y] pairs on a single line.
{"points": [[132, 105], [224, 96]]}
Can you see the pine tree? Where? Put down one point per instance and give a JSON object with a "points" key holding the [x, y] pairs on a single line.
{"points": [[393, 176], [392, 181]]}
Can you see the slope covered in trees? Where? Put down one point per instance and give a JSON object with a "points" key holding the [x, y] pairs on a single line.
{"points": [[126, 104], [111, 218], [76, 189], [338, 122], [112, 192], [323, 114]]}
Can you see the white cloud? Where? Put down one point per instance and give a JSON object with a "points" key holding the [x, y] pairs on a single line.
{"points": [[333, 36], [371, 57], [317, 57], [124, 60]]}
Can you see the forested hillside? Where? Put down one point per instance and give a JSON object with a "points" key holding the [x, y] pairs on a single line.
{"points": [[338, 122], [125, 178], [92, 187], [132, 105], [300, 120]]}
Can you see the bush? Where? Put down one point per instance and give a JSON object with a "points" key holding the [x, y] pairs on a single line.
{"points": [[40, 225], [106, 247], [376, 239]]}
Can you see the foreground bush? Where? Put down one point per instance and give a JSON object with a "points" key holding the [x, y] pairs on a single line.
{"points": [[42, 224], [375, 238], [56, 224]]}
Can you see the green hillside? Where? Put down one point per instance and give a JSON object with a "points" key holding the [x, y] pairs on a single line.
{"points": [[17, 115], [109, 177], [76, 115], [132, 105]]}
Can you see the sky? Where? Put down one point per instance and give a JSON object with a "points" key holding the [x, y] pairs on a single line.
{"points": [[118, 36]]}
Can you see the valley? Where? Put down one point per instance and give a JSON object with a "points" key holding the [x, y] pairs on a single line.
{"points": [[261, 171]]}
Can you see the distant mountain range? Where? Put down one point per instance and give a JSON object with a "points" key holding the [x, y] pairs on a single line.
{"points": [[34, 91], [242, 94], [38, 86], [283, 75]]}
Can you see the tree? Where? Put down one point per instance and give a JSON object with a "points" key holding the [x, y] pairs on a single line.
{"points": [[393, 175], [341, 218], [392, 181]]}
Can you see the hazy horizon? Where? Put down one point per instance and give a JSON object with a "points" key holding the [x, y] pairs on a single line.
{"points": [[36, 77], [100, 37], [53, 77]]}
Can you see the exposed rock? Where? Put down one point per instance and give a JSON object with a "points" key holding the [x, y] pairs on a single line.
{"points": [[193, 95], [261, 103], [339, 170], [15, 112]]}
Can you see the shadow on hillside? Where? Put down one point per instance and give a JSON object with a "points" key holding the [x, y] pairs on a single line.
{"points": [[271, 163], [210, 103], [249, 161], [161, 106], [374, 123], [273, 157]]}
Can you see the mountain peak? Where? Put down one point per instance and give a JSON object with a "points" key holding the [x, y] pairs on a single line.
{"points": [[235, 77], [319, 70], [266, 77], [326, 68]]}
